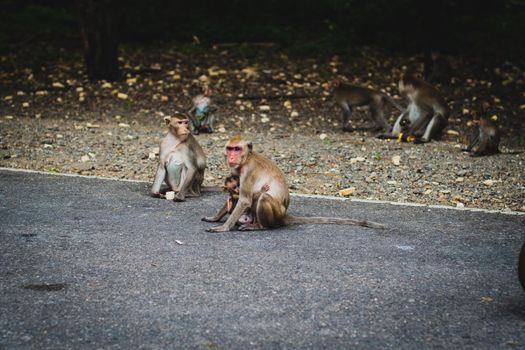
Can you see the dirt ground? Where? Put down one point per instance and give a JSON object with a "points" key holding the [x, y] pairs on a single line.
{"points": [[53, 119]]}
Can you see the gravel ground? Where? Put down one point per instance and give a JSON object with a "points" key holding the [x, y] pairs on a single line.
{"points": [[53, 119], [324, 164]]}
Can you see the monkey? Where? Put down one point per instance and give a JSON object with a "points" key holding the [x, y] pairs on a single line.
{"points": [[521, 266], [485, 140], [182, 160], [201, 112], [270, 208], [437, 68], [348, 96], [231, 185], [426, 114]]}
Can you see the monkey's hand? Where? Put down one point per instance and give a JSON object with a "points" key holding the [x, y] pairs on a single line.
{"points": [[179, 197], [222, 228]]}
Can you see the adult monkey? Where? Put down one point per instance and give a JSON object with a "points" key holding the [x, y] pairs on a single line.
{"points": [[256, 171], [348, 96], [426, 115], [182, 160]]}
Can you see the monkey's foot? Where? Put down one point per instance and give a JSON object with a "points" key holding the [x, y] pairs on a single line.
{"points": [[221, 228], [251, 227], [179, 198], [158, 195], [209, 219]]}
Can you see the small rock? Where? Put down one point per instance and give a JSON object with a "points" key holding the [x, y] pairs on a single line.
{"points": [[124, 125], [265, 120], [488, 183], [347, 191], [460, 205], [323, 136], [396, 160], [264, 108], [122, 96], [84, 158], [170, 195]]}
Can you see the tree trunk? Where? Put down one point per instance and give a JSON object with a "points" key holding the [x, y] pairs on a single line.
{"points": [[99, 37]]}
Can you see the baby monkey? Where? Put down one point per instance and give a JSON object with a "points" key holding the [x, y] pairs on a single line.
{"points": [[232, 186], [201, 111]]}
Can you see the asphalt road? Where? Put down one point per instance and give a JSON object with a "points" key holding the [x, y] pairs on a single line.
{"points": [[96, 264]]}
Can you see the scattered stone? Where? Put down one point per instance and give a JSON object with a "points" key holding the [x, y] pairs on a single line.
{"points": [[347, 191], [170, 195]]}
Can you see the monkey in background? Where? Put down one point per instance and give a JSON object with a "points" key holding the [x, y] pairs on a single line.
{"points": [[201, 111], [348, 96], [485, 140], [426, 115]]}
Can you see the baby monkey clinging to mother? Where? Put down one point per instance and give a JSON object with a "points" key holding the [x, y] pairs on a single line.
{"points": [[232, 186], [257, 172]]}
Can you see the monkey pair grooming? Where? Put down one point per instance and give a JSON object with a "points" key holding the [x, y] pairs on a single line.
{"points": [[269, 206]]}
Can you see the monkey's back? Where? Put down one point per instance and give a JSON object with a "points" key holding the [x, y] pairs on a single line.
{"points": [[272, 175], [355, 95]]}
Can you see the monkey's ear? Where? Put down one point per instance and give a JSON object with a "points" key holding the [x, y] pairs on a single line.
{"points": [[250, 146], [167, 120]]}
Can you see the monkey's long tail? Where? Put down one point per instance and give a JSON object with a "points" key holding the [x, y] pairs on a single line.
{"points": [[291, 220]]}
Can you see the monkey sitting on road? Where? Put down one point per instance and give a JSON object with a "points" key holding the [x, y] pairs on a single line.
{"points": [[182, 160], [232, 186], [269, 208]]}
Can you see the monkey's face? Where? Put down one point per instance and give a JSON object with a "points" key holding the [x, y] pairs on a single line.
{"points": [[235, 155], [179, 127], [231, 186]]}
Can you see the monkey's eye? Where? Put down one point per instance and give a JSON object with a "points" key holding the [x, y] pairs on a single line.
{"points": [[234, 148]]}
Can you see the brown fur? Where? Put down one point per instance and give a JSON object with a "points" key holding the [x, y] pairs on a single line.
{"points": [[485, 140], [348, 96], [270, 207], [181, 161]]}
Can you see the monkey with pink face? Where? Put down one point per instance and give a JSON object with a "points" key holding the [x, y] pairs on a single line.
{"points": [[269, 207]]}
